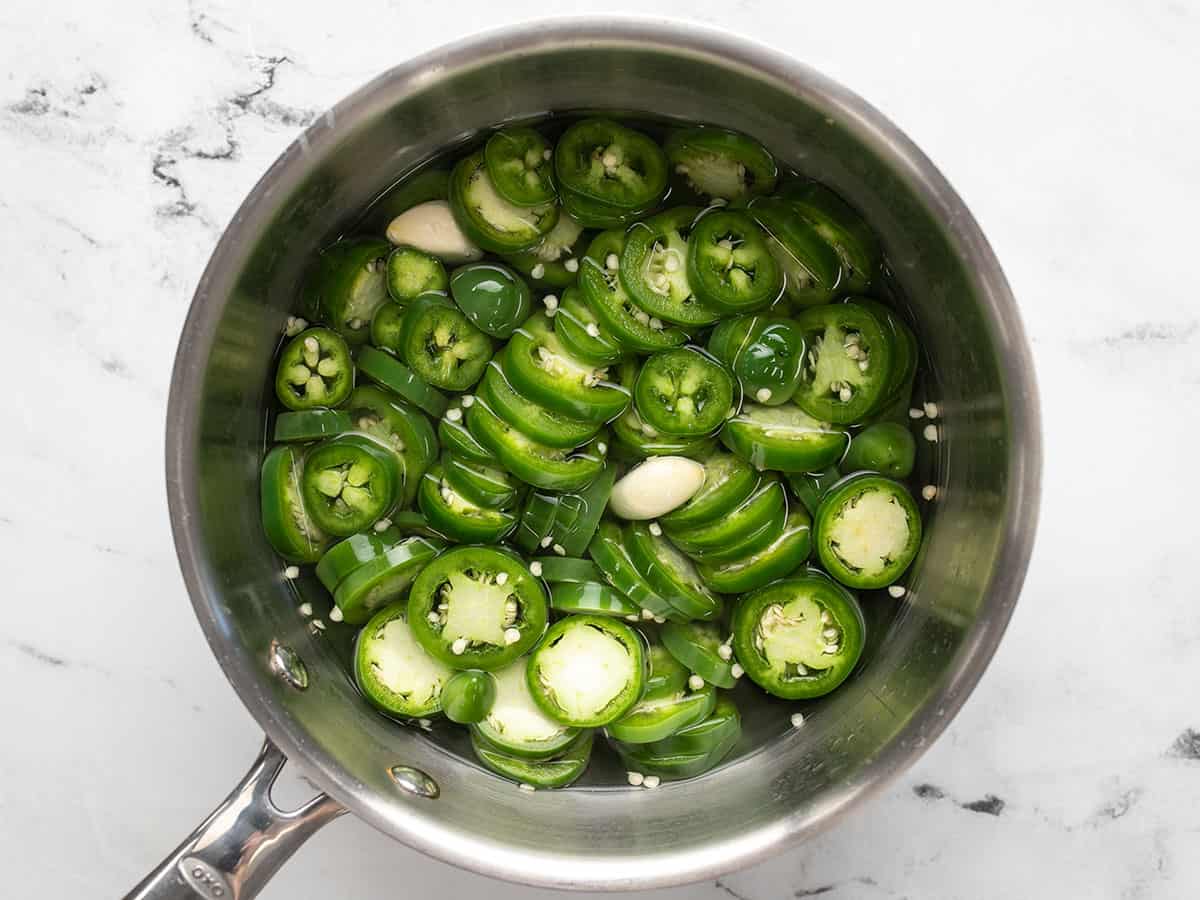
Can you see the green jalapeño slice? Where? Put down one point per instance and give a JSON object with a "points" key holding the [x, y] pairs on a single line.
{"points": [[488, 219], [765, 353], [605, 162], [314, 370], [520, 164], [683, 393], [868, 531], [800, 637], [730, 265], [477, 608], [587, 670], [393, 670], [654, 269], [847, 363], [349, 483], [722, 164]]}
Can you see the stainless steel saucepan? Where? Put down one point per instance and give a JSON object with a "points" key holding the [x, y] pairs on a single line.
{"points": [[928, 650]]}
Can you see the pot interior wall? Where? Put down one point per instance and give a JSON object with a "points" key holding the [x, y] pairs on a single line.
{"points": [[789, 779]]}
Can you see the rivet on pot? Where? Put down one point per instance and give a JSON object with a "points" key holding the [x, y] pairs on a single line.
{"points": [[287, 664], [414, 782]]}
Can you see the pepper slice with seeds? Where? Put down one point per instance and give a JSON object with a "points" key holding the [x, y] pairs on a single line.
{"points": [[349, 483], [811, 268], [314, 370], [540, 367], [697, 646], [477, 608], [847, 363], [654, 269], [347, 285], [616, 313], [520, 164], [535, 463], [441, 345], [840, 226], [578, 328], [612, 166], [683, 393], [399, 427], [721, 163], [730, 264], [800, 637], [554, 263], [411, 273]]}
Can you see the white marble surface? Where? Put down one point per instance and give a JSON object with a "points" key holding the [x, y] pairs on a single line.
{"points": [[130, 131]]}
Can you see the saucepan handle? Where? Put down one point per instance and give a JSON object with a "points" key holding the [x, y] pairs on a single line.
{"points": [[245, 840]]}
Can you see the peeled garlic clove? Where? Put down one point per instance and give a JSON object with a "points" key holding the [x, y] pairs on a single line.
{"points": [[431, 227], [655, 487]]}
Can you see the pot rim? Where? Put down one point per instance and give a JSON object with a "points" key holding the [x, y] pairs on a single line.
{"points": [[869, 126]]}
